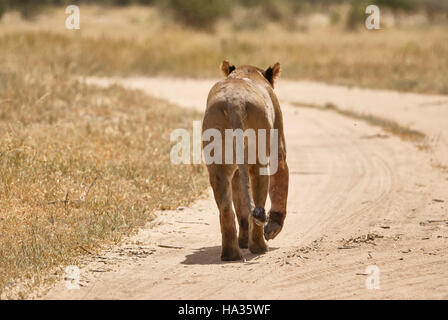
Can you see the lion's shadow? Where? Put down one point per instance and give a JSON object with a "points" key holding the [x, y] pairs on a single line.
{"points": [[212, 255]]}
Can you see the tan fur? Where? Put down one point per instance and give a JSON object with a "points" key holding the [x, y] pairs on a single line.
{"points": [[245, 99]]}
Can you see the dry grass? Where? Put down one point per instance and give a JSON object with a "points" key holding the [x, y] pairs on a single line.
{"points": [[79, 165], [141, 41], [58, 136], [404, 133]]}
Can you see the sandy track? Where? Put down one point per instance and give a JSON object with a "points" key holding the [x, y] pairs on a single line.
{"points": [[357, 198]]}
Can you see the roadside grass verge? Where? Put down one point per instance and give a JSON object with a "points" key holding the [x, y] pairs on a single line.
{"points": [[403, 132], [80, 166]]}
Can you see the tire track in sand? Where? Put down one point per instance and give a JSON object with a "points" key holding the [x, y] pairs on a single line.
{"points": [[343, 186]]}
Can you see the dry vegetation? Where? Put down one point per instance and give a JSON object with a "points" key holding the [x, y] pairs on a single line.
{"points": [[403, 132], [81, 165], [137, 40]]}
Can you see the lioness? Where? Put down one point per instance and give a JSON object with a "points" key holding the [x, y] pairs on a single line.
{"points": [[246, 100]]}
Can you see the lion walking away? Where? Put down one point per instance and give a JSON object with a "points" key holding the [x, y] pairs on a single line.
{"points": [[251, 161]]}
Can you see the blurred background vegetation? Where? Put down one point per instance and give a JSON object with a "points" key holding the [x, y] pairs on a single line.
{"points": [[320, 40], [57, 133], [203, 14]]}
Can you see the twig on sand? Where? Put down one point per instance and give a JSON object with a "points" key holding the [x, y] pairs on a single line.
{"points": [[193, 222], [347, 247], [81, 247], [169, 247]]}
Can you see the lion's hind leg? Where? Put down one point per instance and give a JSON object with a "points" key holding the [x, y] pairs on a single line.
{"points": [[242, 211], [220, 180]]}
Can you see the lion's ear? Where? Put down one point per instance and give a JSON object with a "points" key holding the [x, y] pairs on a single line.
{"points": [[272, 73], [227, 68]]}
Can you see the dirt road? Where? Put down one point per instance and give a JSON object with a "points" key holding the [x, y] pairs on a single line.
{"points": [[359, 197]]}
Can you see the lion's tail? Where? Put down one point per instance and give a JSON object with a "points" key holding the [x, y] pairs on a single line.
{"points": [[236, 122]]}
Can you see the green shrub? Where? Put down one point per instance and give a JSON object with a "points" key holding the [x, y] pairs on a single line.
{"points": [[2, 8], [403, 5], [201, 14], [357, 14], [335, 17]]}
